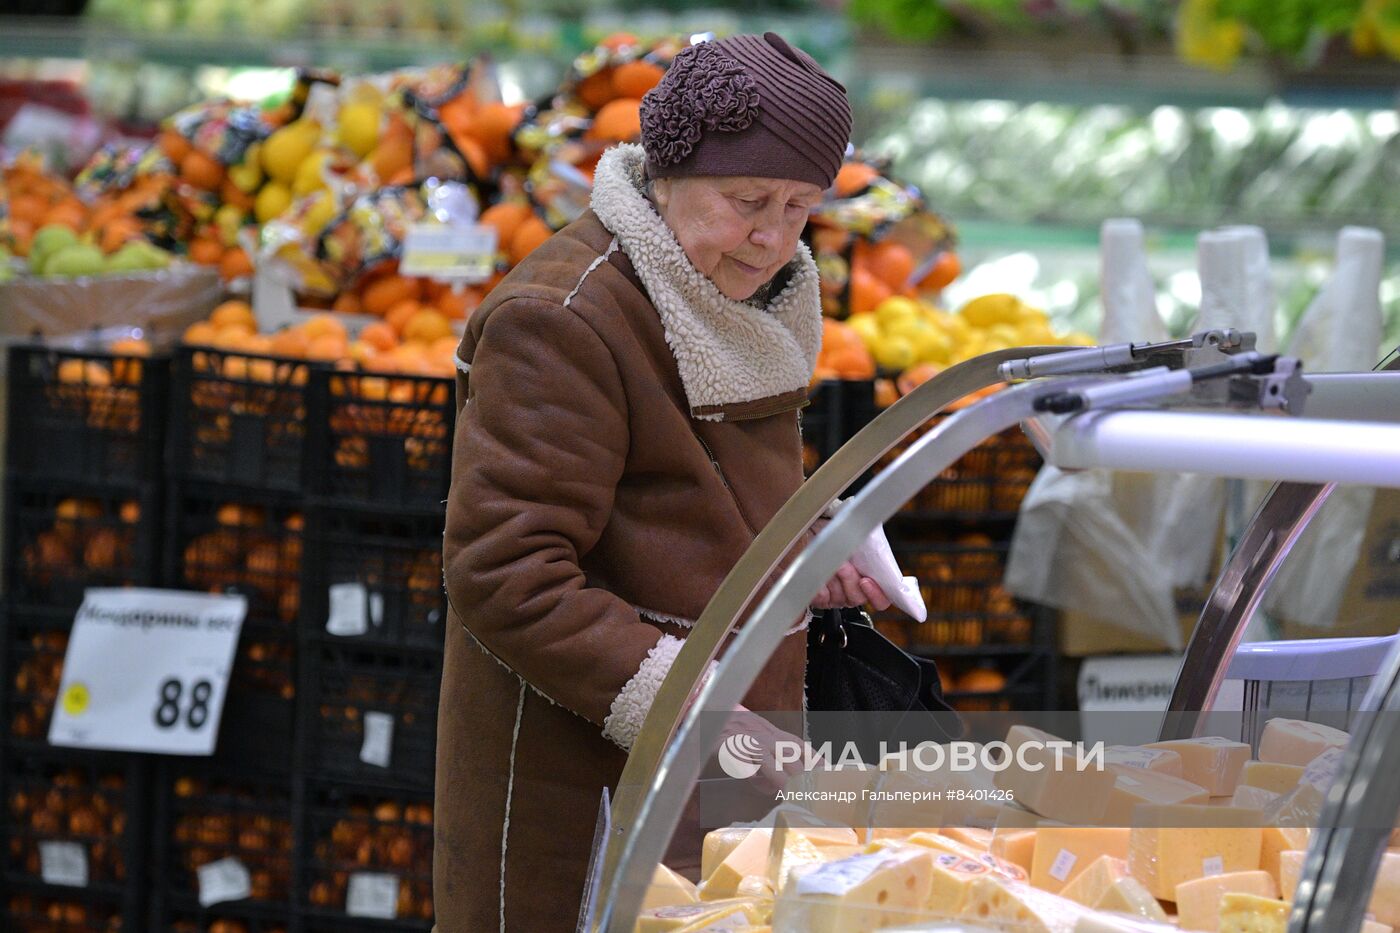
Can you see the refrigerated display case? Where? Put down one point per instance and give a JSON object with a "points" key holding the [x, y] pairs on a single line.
{"points": [[1206, 404]]}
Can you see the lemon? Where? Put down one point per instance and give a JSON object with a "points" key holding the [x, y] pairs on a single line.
{"points": [[1028, 314], [228, 220], [976, 345], [895, 309], [284, 151], [1005, 334], [991, 309], [248, 174], [866, 326], [310, 174], [894, 352], [958, 329], [272, 201], [934, 346], [1035, 334], [358, 128], [1079, 339], [320, 215]]}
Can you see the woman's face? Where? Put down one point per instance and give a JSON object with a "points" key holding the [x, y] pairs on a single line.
{"points": [[738, 231]]}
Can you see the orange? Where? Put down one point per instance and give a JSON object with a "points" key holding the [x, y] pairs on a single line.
{"points": [[394, 153], [982, 680], [323, 325], [945, 269], [206, 252], [853, 362], [915, 376], [200, 171], [506, 217], [347, 303], [230, 193], [885, 393], [118, 231], [458, 305], [361, 353], [893, 263], [458, 114], [824, 374], [427, 326], [386, 291], [233, 312], [492, 127], [175, 146], [28, 207], [867, 291], [853, 178], [618, 41], [445, 346], [200, 334], [530, 235], [235, 264], [290, 341], [130, 512], [399, 314], [596, 90], [328, 348], [475, 153], [618, 122], [234, 515], [634, 79], [69, 213], [380, 336]]}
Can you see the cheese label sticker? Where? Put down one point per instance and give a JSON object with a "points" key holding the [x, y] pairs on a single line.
{"points": [[63, 863], [1063, 865], [1213, 866], [1128, 782], [1215, 740], [837, 878]]}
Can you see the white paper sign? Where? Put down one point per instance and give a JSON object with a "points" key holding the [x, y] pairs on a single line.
{"points": [[1212, 866], [63, 863], [1129, 682], [147, 671], [378, 746], [373, 894], [448, 252], [224, 880], [349, 610]]}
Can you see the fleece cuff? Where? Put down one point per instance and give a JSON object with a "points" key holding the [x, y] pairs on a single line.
{"points": [[629, 708]]}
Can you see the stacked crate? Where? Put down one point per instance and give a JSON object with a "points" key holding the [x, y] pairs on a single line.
{"points": [[82, 510]]}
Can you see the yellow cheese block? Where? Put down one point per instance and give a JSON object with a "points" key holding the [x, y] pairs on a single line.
{"points": [[1276, 841], [952, 883], [755, 886], [1290, 867], [1118, 923], [836, 853], [1297, 741], [797, 850], [1051, 782], [1128, 896], [826, 836], [749, 857], [1212, 762], [1016, 846], [866, 892], [680, 916], [944, 844], [1271, 776], [1020, 907], [1147, 759], [668, 889], [730, 920], [1062, 852], [718, 844], [1250, 913], [1133, 787], [1183, 842], [1094, 881], [1198, 901], [980, 839], [1303, 805], [1255, 798]]}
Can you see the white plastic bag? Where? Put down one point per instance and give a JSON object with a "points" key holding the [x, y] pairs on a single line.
{"points": [[875, 560]]}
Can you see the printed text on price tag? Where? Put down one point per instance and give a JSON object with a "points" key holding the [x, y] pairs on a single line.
{"points": [[447, 252]]}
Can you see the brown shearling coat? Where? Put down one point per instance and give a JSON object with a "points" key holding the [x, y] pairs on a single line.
{"points": [[595, 508]]}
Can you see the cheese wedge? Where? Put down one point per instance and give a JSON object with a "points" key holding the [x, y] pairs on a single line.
{"points": [[1255, 798], [1052, 781], [1128, 896], [980, 839], [730, 920], [1094, 881], [1183, 842], [1303, 805], [756, 886], [940, 843], [1147, 759], [1297, 741], [668, 889], [680, 916], [1250, 913], [1062, 852], [797, 850], [1020, 907], [1212, 762], [1271, 776], [866, 892], [749, 857], [1133, 787], [1016, 846], [1198, 901], [952, 883], [1277, 840], [1290, 868], [718, 844], [826, 836]]}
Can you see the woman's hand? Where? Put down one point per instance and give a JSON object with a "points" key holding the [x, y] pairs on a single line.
{"points": [[849, 588], [771, 777]]}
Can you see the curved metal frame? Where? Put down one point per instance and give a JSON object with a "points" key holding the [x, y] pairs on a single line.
{"points": [[642, 824]]}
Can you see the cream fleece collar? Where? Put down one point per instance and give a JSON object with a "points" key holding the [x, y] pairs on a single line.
{"points": [[728, 352]]}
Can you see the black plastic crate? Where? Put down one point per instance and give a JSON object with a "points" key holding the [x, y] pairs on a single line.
{"points": [[63, 538], [92, 800], [222, 919], [239, 419], [837, 410], [375, 578], [381, 440], [45, 912], [36, 641], [205, 814], [347, 687], [352, 831], [988, 482], [87, 416]]}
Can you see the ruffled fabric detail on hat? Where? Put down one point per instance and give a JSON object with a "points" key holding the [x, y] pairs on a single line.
{"points": [[705, 89]]}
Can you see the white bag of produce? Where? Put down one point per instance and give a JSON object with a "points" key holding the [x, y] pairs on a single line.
{"points": [[875, 560]]}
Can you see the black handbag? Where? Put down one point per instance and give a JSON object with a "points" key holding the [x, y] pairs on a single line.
{"points": [[852, 667]]}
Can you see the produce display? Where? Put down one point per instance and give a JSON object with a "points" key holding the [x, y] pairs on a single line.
{"points": [[1191, 834]]}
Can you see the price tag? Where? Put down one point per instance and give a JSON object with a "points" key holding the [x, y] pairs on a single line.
{"points": [[1212, 866], [349, 610], [63, 863], [1063, 865], [1128, 782], [379, 739], [147, 671], [446, 252], [373, 894], [224, 880]]}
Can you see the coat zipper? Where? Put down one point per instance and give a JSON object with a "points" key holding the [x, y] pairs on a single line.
{"points": [[714, 462]]}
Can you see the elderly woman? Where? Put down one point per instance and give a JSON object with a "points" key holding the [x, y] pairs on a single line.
{"points": [[628, 424]]}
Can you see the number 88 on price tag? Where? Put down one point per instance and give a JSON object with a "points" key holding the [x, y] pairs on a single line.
{"points": [[147, 671]]}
